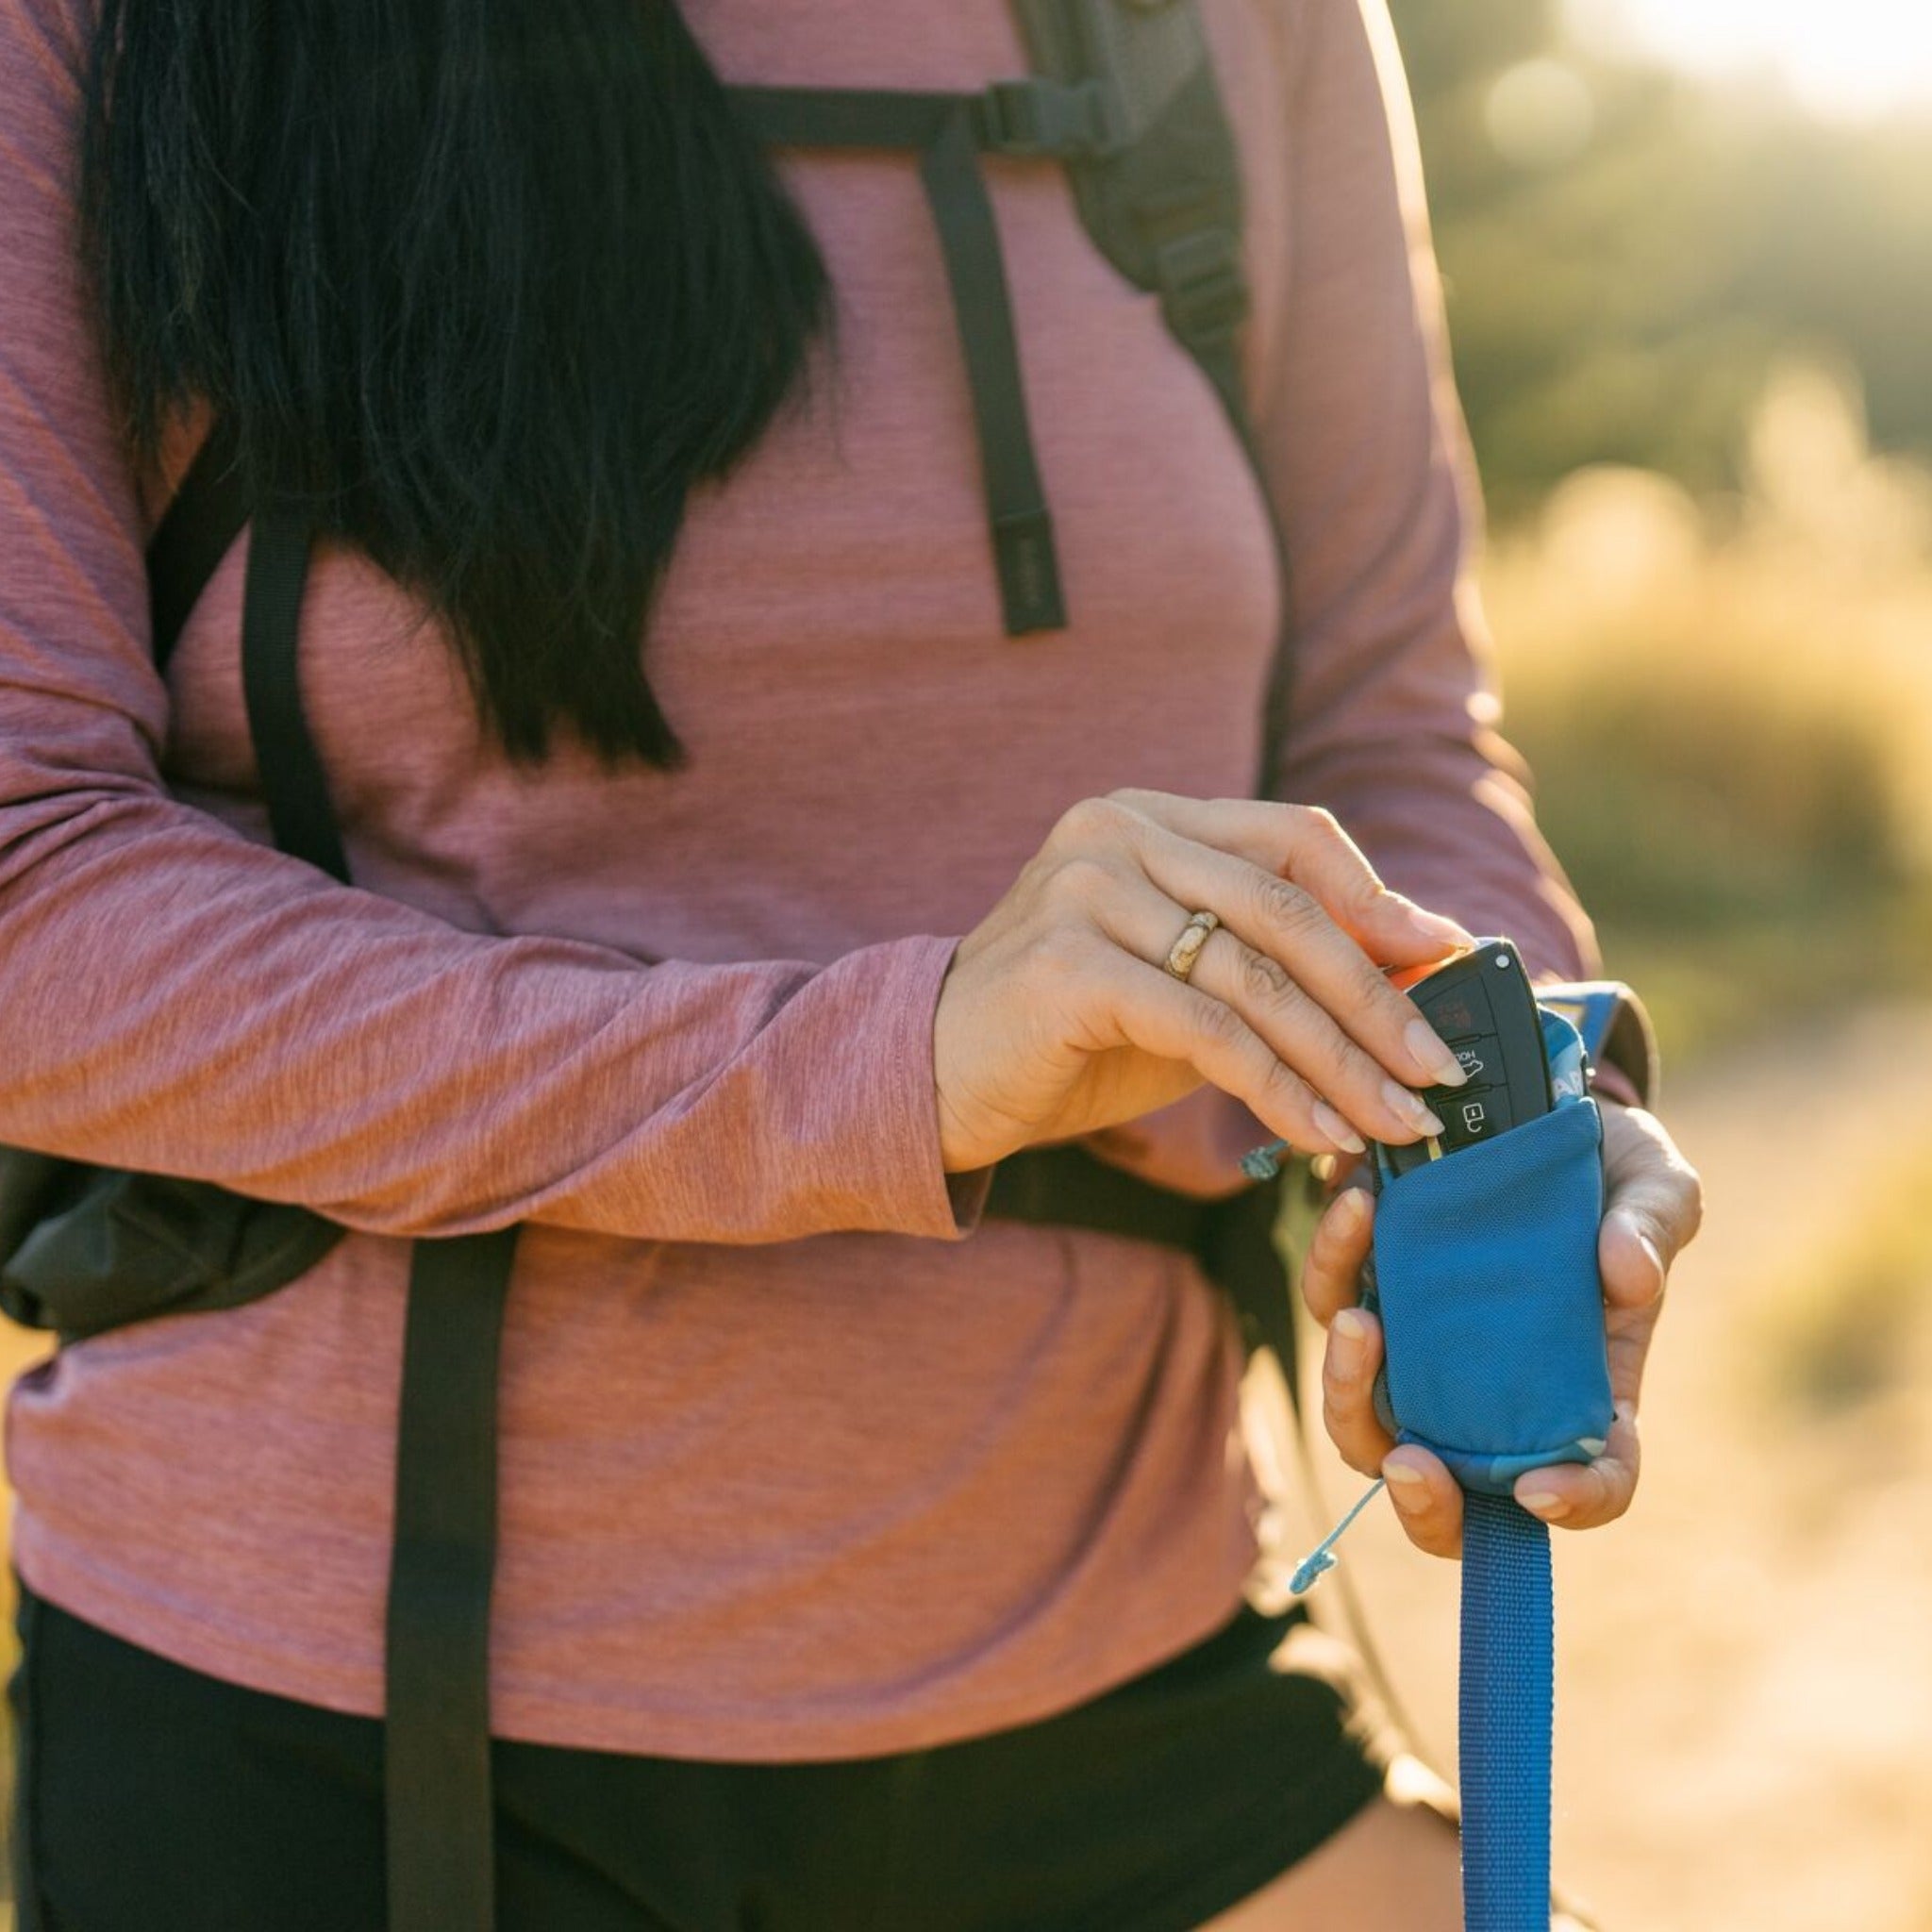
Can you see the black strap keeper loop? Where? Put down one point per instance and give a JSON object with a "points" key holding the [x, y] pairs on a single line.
{"points": [[1203, 292]]}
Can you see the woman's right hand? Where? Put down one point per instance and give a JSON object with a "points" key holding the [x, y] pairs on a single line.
{"points": [[1058, 1017]]}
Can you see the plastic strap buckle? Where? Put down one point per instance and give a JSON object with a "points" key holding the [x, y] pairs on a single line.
{"points": [[1087, 120], [1616, 1030], [1203, 291]]}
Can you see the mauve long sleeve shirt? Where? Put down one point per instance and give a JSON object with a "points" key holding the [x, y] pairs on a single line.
{"points": [[802, 1456]]}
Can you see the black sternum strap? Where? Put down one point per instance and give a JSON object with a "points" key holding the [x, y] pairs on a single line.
{"points": [[949, 131]]}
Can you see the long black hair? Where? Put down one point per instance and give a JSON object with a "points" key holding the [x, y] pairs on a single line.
{"points": [[491, 284]]}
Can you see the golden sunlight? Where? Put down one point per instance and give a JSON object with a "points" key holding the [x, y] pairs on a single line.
{"points": [[1851, 60]]}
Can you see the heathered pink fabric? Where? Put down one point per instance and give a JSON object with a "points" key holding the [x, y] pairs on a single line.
{"points": [[800, 1458]]}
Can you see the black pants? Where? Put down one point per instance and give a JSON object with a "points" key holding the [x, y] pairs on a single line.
{"points": [[153, 1799]]}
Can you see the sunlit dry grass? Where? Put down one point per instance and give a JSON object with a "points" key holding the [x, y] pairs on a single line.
{"points": [[1838, 1339], [1728, 705]]}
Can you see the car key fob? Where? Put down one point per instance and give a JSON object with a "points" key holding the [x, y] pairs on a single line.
{"points": [[1483, 1008]]}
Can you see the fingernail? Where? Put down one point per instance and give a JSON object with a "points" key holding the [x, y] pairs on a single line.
{"points": [[1640, 1235], [1544, 1504], [1433, 926], [1657, 1260], [1425, 1048], [1352, 1328], [1407, 1488], [1337, 1129], [1350, 1206], [1411, 1107]]}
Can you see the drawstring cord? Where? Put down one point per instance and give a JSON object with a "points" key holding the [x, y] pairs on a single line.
{"points": [[1323, 1559], [1262, 1164]]}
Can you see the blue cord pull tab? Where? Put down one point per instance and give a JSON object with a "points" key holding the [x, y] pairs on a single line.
{"points": [[1263, 1163], [1322, 1558]]}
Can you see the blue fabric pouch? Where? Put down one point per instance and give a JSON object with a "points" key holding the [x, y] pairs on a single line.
{"points": [[1485, 1282]]}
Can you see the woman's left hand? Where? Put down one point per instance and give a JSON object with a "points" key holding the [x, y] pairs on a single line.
{"points": [[1653, 1204]]}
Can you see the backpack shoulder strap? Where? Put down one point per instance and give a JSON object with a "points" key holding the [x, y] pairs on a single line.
{"points": [[1161, 198], [438, 1802], [1163, 201], [195, 532]]}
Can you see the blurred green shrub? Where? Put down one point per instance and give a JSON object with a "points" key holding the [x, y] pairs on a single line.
{"points": [[1728, 707], [1627, 250]]}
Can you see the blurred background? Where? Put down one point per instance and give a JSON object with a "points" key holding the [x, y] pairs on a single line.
{"points": [[1687, 254], [1688, 251]]}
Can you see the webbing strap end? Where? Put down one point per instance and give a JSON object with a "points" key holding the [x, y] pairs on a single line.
{"points": [[1028, 571]]}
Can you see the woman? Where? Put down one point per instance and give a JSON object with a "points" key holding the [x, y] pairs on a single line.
{"points": [[864, 1558]]}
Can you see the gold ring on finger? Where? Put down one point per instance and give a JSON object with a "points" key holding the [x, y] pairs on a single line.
{"points": [[1187, 949]]}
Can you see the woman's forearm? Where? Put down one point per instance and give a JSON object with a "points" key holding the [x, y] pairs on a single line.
{"points": [[175, 997]]}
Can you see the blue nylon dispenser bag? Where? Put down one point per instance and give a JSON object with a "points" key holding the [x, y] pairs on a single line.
{"points": [[1491, 1307]]}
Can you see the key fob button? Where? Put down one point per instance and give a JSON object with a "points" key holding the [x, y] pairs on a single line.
{"points": [[1476, 1115], [1473, 1113], [1458, 1011], [1482, 1061]]}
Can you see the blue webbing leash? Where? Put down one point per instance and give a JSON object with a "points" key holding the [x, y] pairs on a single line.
{"points": [[1505, 1716], [1506, 1707], [1485, 1279]]}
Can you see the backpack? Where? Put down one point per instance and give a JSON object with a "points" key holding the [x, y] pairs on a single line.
{"points": [[1123, 94]]}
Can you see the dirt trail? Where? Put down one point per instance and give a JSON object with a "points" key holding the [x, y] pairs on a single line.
{"points": [[1744, 1701]]}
